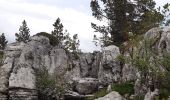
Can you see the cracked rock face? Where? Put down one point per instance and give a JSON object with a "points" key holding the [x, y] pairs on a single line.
{"points": [[22, 60], [17, 75], [109, 71]]}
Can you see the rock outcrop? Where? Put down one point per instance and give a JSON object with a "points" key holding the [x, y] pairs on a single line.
{"points": [[18, 79], [85, 73], [109, 71]]}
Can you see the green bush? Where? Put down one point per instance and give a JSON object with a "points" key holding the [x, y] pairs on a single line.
{"points": [[165, 86], [164, 93], [48, 86], [121, 58], [53, 40], [124, 88]]}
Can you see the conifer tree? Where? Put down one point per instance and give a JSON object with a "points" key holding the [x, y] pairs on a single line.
{"points": [[24, 33], [58, 31], [3, 41], [124, 17], [63, 37], [75, 44]]}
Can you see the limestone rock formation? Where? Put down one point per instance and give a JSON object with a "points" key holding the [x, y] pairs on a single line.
{"points": [[109, 71], [18, 79], [85, 73]]}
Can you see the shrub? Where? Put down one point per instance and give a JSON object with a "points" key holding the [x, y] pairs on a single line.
{"points": [[124, 88], [48, 86], [99, 94], [52, 39], [165, 86], [121, 58]]}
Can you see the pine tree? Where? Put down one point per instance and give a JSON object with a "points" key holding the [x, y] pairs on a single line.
{"points": [[23, 33], [75, 44], [58, 31], [124, 17], [63, 37], [3, 41]]}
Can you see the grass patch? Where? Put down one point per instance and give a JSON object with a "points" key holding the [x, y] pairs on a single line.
{"points": [[164, 93], [98, 94], [124, 88]]}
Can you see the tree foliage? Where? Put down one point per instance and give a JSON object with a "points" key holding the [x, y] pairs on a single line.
{"points": [[124, 17], [24, 33], [3, 41], [50, 86], [63, 37], [152, 66], [58, 31]]}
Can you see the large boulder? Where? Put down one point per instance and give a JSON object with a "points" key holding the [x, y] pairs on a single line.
{"points": [[86, 86], [109, 71], [112, 96]]}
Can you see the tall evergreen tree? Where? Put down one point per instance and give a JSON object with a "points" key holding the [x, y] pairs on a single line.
{"points": [[3, 41], [23, 34], [124, 17], [58, 31], [75, 44], [63, 37]]}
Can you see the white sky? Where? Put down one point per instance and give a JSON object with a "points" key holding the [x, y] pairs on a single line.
{"points": [[41, 14]]}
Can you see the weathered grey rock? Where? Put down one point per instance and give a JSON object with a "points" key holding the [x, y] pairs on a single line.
{"points": [[112, 96], [129, 73], [109, 71], [22, 94], [151, 95], [153, 33], [70, 95], [169, 98], [139, 88], [3, 96], [86, 85], [11, 53], [21, 61], [89, 64]]}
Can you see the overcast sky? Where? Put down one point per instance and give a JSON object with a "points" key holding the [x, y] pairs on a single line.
{"points": [[41, 14]]}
